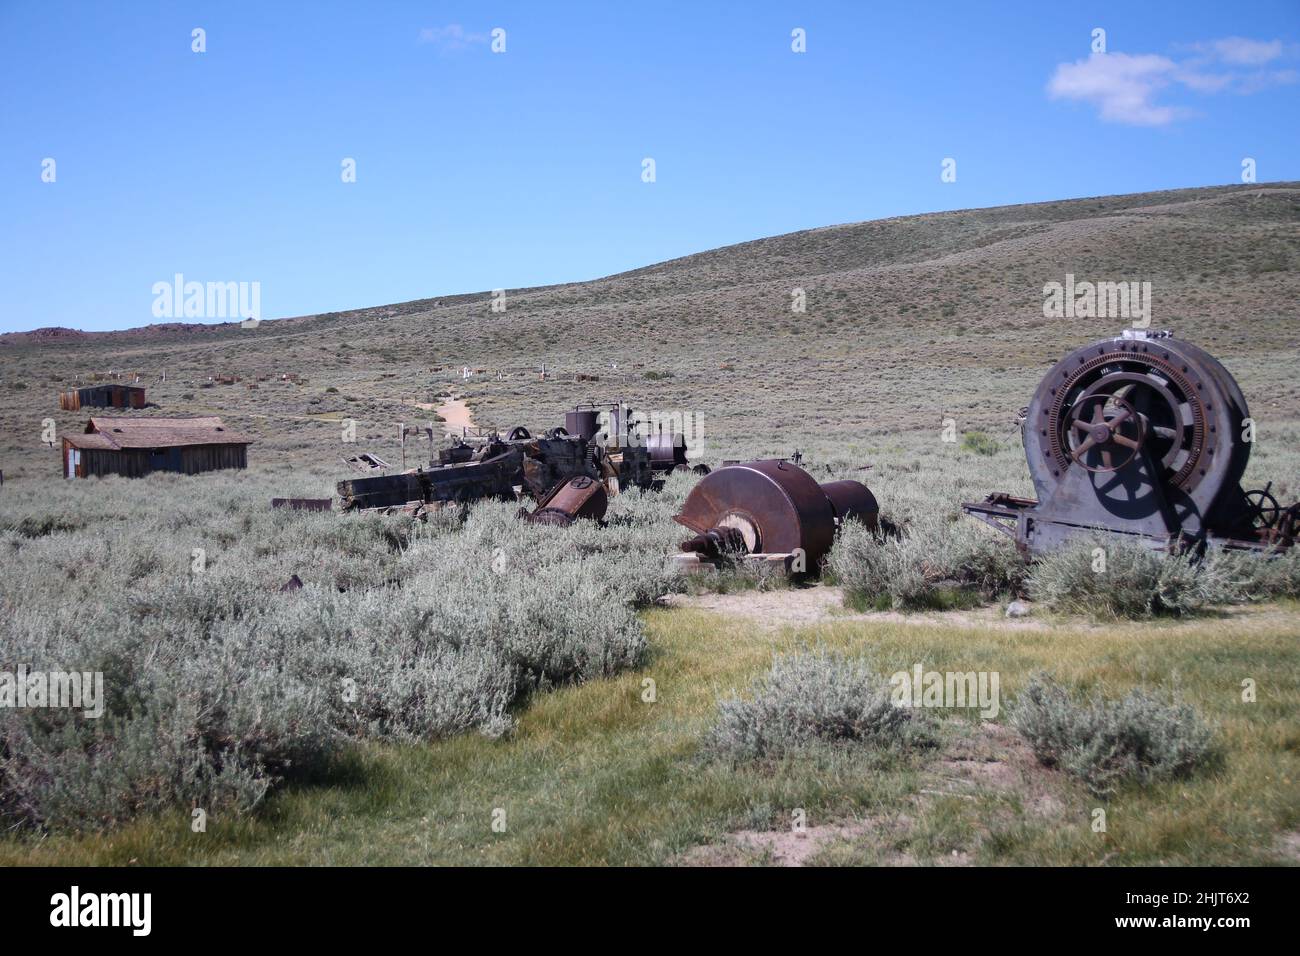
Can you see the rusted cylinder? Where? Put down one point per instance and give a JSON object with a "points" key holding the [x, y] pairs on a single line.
{"points": [[772, 507], [775, 505], [852, 499], [584, 423], [579, 497], [666, 450]]}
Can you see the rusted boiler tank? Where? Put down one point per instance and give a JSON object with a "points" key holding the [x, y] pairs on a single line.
{"points": [[771, 507]]}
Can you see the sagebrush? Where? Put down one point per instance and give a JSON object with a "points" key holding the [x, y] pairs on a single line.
{"points": [[219, 684], [1112, 577], [812, 700], [1106, 743]]}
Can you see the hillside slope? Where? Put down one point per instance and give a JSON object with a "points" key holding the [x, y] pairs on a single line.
{"points": [[907, 321]]}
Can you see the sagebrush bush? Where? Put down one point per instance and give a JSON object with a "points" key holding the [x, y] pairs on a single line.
{"points": [[1116, 578], [1106, 743], [813, 700], [219, 684], [930, 563]]}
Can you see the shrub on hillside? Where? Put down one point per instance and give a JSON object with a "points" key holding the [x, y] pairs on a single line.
{"points": [[1108, 742], [1117, 578], [813, 700]]}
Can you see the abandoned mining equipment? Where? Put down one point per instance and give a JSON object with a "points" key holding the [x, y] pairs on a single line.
{"points": [[771, 510], [496, 467], [579, 497], [1142, 435]]}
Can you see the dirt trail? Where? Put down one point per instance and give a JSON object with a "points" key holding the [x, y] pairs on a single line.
{"points": [[455, 414], [824, 604], [821, 604]]}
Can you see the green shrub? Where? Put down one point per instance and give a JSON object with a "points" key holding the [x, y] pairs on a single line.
{"points": [[979, 443], [930, 564], [42, 523], [219, 685], [809, 701], [1108, 742], [1112, 577], [1262, 577]]}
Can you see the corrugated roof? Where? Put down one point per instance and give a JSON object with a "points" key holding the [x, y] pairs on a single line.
{"points": [[156, 433]]}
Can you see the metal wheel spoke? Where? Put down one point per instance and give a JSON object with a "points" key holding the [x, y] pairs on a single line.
{"points": [[1078, 453]]}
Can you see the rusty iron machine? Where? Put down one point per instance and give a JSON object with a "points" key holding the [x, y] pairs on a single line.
{"points": [[521, 464], [771, 510], [1143, 435]]}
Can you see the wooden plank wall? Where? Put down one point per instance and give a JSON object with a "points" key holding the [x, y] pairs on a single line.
{"points": [[138, 462]]}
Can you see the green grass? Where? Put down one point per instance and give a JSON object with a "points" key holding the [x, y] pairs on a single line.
{"points": [[594, 775]]}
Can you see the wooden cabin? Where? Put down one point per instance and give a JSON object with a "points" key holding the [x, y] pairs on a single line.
{"points": [[102, 396], [133, 447]]}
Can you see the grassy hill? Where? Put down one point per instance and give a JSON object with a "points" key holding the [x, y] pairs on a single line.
{"points": [[907, 321]]}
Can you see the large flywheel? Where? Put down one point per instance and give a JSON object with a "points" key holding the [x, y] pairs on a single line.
{"points": [[1145, 436]]}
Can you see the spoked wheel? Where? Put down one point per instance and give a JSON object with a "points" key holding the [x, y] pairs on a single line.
{"points": [[1105, 433], [1262, 508]]}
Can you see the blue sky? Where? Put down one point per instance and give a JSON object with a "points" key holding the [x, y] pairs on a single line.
{"points": [[477, 170]]}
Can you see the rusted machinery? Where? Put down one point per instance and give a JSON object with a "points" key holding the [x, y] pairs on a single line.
{"points": [[771, 507], [497, 467], [667, 450], [580, 497], [1143, 435]]}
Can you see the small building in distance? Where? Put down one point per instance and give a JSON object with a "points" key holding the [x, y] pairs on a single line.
{"points": [[134, 447], [102, 396]]}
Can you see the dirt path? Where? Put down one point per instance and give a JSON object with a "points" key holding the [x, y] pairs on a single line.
{"points": [[455, 414], [824, 604]]}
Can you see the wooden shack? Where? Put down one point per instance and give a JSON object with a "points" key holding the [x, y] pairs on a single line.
{"points": [[102, 396], [133, 447]]}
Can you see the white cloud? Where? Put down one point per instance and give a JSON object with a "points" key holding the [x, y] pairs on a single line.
{"points": [[1243, 52], [1124, 87], [452, 37], [1119, 85]]}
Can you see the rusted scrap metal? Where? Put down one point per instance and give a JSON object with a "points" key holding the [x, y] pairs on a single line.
{"points": [[771, 507], [366, 462], [1142, 435], [668, 453], [574, 498], [303, 504], [519, 463]]}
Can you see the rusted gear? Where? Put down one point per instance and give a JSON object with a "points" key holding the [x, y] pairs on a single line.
{"points": [[1172, 393]]}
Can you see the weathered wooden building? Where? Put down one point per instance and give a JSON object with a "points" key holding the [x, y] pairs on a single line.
{"points": [[102, 396], [133, 447]]}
